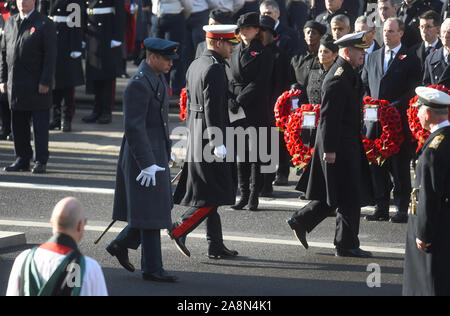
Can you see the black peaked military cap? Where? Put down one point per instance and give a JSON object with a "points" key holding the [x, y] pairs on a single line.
{"points": [[165, 48]]}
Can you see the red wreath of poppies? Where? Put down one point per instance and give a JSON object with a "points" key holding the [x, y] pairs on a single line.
{"points": [[291, 124], [183, 101], [391, 138], [418, 132], [283, 108]]}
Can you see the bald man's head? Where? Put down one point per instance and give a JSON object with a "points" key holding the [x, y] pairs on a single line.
{"points": [[69, 217]]}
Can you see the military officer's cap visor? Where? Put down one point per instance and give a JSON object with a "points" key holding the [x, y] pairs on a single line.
{"points": [[432, 98], [224, 32], [355, 40], [165, 48]]}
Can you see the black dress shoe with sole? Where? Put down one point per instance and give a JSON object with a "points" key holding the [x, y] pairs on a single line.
{"points": [[377, 217], [223, 254], [15, 167], [160, 276], [39, 168], [91, 118], [180, 243], [299, 231], [399, 218], [354, 253], [121, 254]]}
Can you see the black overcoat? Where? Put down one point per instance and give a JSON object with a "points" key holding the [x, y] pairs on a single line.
{"points": [[347, 181], [28, 55], [249, 77], [427, 273], [436, 70], [146, 142], [69, 71], [204, 183]]}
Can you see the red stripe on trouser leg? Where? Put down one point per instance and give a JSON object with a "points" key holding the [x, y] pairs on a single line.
{"points": [[191, 221]]}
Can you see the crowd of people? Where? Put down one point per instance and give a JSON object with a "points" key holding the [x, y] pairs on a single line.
{"points": [[334, 54]]}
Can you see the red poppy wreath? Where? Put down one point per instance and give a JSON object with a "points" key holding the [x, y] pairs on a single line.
{"points": [[183, 101], [418, 132], [291, 124], [391, 138]]}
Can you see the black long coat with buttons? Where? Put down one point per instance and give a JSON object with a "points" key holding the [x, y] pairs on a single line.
{"points": [[102, 61], [204, 183], [146, 142], [427, 273], [27, 59], [69, 71], [436, 70]]}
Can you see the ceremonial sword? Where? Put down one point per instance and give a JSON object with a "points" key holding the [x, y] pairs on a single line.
{"points": [[177, 177]]}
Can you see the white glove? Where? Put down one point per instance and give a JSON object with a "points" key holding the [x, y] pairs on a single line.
{"points": [[83, 44], [220, 152], [75, 55], [148, 175], [133, 8], [115, 43]]}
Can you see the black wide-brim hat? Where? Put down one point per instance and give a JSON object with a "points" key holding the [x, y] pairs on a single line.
{"points": [[248, 19], [267, 23]]}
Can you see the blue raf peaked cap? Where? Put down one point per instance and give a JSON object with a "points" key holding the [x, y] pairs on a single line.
{"points": [[165, 48]]}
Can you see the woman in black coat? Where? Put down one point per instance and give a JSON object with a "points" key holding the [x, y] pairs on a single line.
{"points": [[249, 75]]}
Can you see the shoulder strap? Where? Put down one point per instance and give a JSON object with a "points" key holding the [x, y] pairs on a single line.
{"points": [[65, 281]]}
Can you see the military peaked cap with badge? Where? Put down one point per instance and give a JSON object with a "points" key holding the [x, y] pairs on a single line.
{"points": [[221, 32], [432, 98], [355, 40], [165, 48]]}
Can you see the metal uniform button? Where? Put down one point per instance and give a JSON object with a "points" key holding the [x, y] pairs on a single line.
{"points": [[99, 24]]}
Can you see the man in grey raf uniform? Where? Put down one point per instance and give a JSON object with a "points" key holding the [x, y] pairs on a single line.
{"points": [[427, 257], [143, 195]]}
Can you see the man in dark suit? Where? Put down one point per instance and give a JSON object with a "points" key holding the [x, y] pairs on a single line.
{"points": [[69, 71], [409, 12], [143, 195], [27, 65], [391, 73], [430, 24], [437, 70], [337, 175], [4, 106], [287, 39], [105, 27]]}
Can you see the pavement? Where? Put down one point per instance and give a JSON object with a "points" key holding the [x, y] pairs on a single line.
{"points": [[271, 261]]}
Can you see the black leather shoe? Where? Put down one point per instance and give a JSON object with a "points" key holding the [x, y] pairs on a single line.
{"points": [[399, 218], [223, 254], [299, 231], [121, 254], [67, 126], [378, 217], [3, 137], [54, 125], [355, 253], [104, 119], [39, 168], [16, 167], [281, 180], [160, 276], [91, 118], [180, 243]]}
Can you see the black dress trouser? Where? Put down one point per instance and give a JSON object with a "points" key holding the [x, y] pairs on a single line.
{"points": [[347, 222]]}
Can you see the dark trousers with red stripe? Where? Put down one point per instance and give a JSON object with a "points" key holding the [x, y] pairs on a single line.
{"points": [[66, 109], [104, 91], [193, 217]]}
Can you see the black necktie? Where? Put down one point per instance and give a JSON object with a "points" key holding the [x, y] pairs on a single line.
{"points": [[428, 50], [391, 59]]}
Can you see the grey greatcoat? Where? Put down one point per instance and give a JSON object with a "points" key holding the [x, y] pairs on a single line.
{"points": [[145, 143]]}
